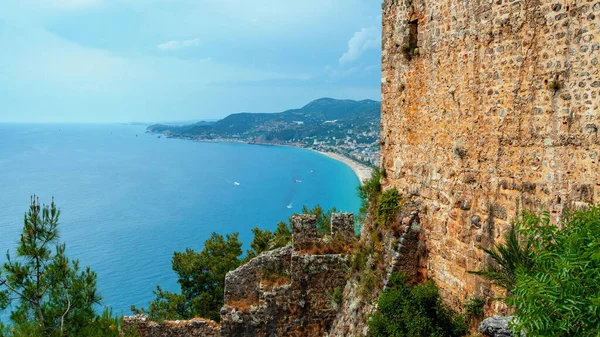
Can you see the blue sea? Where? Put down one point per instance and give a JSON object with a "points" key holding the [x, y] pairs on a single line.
{"points": [[130, 199]]}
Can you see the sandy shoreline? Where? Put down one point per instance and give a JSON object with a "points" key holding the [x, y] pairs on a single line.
{"points": [[362, 171]]}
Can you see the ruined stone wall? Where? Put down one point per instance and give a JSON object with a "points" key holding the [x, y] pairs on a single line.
{"points": [[288, 291], [489, 108], [187, 328]]}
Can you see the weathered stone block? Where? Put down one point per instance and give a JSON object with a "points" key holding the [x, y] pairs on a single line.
{"points": [[304, 231], [343, 224]]}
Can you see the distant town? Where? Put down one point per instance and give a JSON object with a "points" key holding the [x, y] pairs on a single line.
{"points": [[349, 128]]}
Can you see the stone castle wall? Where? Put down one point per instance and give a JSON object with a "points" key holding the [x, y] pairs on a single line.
{"points": [[495, 111]]}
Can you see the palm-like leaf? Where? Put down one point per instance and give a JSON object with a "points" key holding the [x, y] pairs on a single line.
{"points": [[507, 259]]}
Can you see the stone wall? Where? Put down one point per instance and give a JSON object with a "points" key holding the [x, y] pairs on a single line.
{"points": [[188, 328], [288, 291], [403, 252], [489, 108]]}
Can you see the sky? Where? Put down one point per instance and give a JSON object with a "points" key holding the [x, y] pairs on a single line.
{"points": [[175, 60]]}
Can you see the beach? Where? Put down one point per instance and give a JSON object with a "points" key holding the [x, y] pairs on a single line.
{"points": [[362, 171]]}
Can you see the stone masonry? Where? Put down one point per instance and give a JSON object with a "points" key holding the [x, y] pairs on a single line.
{"points": [[188, 328], [490, 107], [288, 291]]}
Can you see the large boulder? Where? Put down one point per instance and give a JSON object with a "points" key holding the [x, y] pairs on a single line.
{"points": [[496, 326]]}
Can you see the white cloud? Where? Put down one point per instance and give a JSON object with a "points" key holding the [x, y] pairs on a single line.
{"points": [[179, 44], [363, 40]]}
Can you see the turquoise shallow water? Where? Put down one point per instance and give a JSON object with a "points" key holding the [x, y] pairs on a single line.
{"points": [[130, 199]]}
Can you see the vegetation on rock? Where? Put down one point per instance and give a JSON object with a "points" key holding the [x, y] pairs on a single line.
{"points": [[369, 192], [405, 310], [388, 204]]}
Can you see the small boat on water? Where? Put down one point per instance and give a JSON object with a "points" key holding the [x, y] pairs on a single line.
{"points": [[297, 180], [290, 205], [236, 183]]}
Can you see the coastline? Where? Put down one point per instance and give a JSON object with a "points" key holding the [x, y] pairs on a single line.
{"points": [[362, 171]]}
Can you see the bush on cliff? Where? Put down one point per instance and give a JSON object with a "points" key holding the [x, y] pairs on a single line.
{"points": [[560, 294], [201, 277], [388, 204], [369, 192], [405, 310]]}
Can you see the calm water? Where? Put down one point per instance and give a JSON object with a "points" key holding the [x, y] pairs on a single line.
{"points": [[129, 199]]}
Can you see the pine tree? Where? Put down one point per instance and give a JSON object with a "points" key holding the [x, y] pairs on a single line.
{"points": [[50, 294]]}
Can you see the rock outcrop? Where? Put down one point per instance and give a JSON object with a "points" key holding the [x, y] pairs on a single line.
{"points": [[489, 108], [496, 326]]}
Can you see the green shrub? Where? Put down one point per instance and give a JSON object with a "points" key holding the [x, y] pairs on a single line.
{"points": [[474, 307], [409, 51], [555, 86], [367, 283], [369, 192], [387, 206], [560, 294], [337, 296], [360, 258], [323, 218], [406, 311]]}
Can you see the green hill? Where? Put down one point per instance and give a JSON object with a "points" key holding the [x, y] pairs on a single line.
{"points": [[324, 119]]}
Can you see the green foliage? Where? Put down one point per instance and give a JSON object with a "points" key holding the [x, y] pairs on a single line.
{"points": [[369, 192], [323, 218], [407, 311], [282, 236], [50, 294], [387, 206], [560, 294], [516, 252], [338, 296], [261, 242], [107, 325], [265, 240], [201, 277], [555, 86], [360, 258], [409, 51], [367, 283], [474, 307]]}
